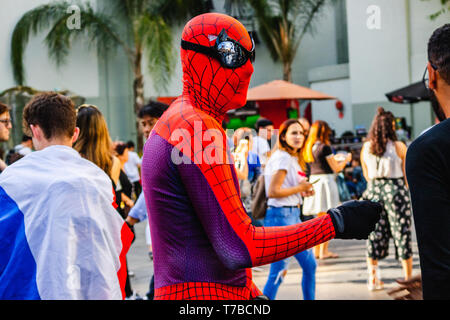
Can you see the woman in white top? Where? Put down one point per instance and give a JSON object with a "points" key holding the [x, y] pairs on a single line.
{"points": [[285, 184], [383, 164]]}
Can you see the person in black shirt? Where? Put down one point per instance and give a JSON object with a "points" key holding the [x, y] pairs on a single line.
{"points": [[428, 174]]}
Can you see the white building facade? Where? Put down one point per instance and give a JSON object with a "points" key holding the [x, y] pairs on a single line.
{"points": [[359, 50]]}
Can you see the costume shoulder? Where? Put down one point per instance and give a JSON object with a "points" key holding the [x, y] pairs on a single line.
{"points": [[194, 133], [181, 115]]}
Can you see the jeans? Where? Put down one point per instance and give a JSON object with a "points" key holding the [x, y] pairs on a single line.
{"points": [[284, 217]]}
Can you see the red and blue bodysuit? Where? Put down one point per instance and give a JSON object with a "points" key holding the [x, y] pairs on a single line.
{"points": [[204, 244]]}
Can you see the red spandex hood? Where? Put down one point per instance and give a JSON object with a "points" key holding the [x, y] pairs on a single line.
{"points": [[210, 87]]}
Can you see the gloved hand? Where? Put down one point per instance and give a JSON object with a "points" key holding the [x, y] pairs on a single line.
{"points": [[355, 219]]}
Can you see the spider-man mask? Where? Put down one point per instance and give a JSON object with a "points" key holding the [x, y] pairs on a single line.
{"points": [[216, 55]]}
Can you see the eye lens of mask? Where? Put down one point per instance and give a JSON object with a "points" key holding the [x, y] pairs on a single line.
{"points": [[230, 53]]}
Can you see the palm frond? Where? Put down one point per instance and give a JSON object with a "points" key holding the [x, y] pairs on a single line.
{"points": [[283, 24], [102, 32], [267, 22], [445, 4], [53, 17], [156, 39], [31, 23]]}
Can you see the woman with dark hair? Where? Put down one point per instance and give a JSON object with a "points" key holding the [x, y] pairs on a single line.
{"points": [[383, 164], [285, 184], [324, 166]]}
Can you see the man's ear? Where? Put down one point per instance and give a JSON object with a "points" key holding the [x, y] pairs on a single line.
{"points": [[76, 134], [433, 77], [36, 131]]}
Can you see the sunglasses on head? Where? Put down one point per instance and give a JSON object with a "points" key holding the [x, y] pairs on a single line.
{"points": [[230, 53]]}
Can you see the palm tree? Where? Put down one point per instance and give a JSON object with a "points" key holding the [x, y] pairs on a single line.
{"points": [[445, 8], [282, 25], [148, 35]]}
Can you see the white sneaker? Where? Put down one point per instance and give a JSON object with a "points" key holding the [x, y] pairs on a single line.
{"points": [[374, 282]]}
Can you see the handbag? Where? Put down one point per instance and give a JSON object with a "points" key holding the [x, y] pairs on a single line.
{"points": [[259, 199]]}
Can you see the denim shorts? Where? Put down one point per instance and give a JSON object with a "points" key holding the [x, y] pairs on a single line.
{"points": [[281, 216]]}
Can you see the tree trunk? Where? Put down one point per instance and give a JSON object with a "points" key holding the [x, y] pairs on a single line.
{"points": [[287, 71], [138, 95]]}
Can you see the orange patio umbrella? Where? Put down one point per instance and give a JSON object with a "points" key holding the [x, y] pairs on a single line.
{"points": [[284, 90], [275, 99]]}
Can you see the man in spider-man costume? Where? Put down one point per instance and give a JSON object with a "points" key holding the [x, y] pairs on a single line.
{"points": [[204, 244]]}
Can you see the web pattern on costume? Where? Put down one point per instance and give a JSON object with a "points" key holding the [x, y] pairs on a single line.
{"points": [[207, 291], [207, 95], [265, 244]]}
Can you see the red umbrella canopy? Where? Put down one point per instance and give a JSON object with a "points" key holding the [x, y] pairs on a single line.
{"points": [[284, 90]]}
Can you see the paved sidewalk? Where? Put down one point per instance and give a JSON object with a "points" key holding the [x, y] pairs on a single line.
{"points": [[343, 278]]}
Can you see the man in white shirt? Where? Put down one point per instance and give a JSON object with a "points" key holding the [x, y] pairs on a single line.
{"points": [[261, 146], [132, 167]]}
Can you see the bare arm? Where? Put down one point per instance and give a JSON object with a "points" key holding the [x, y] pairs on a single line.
{"points": [[240, 156], [2, 165], [401, 150], [127, 200], [132, 221], [275, 190], [338, 166], [115, 170], [241, 166], [363, 165]]}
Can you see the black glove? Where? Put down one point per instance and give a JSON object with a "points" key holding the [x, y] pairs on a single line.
{"points": [[355, 219]]}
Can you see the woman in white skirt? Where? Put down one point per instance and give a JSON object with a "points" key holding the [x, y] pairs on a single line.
{"points": [[324, 166]]}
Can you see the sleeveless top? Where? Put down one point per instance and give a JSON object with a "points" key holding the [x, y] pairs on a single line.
{"points": [[320, 153], [387, 166]]}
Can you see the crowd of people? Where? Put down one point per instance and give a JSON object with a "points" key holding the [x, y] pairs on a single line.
{"points": [[375, 173], [202, 235]]}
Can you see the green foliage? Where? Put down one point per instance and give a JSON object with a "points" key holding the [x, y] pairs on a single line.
{"points": [[149, 21], [445, 8], [159, 51], [283, 24], [96, 28]]}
